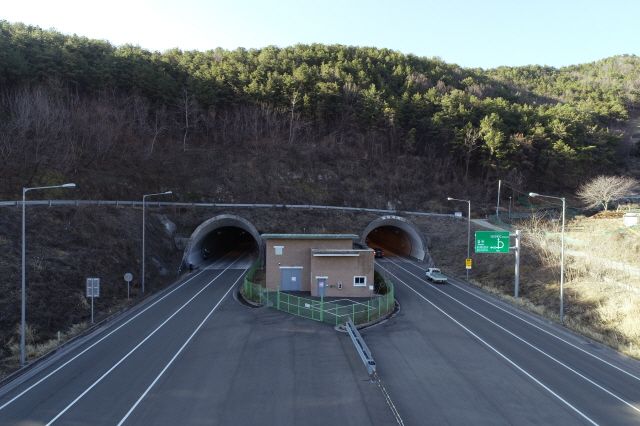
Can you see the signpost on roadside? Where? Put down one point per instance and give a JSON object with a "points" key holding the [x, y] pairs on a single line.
{"points": [[93, 290], [128, 277], [499, 242], [517, 248]]}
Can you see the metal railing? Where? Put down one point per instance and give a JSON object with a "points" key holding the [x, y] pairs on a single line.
{"points": [[319, 310], [249, 287], [52, 203]]}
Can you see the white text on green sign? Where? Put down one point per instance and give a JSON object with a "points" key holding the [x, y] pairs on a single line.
{"points": [[492, 241]]}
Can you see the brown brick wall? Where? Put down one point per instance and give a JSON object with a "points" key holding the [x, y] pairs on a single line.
{"points": [[296, 253], [343, 270]]}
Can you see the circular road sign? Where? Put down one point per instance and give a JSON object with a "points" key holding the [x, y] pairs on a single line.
{"points": [[128, 277]]}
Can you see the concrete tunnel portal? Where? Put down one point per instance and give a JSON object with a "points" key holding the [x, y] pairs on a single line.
{"points": [[398, 235], [220, 236], [225, 234]]}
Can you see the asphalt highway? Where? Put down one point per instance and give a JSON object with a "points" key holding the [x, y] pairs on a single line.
{"points": [[469, 358], [193, 355]]}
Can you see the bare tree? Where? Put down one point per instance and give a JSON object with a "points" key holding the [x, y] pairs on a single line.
{"points": [[294, 100], [188, 107], [602, 190], [472, 134], [159, 127]]}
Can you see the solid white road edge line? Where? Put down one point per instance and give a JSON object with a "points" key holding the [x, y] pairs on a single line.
{"points": [[528, 344], [536, 326], [179, 351], [499, 353], [132, 350], [81, 353]]}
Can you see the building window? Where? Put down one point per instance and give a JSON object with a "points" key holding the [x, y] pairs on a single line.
{"points": [[278, 249], [359, 281]]}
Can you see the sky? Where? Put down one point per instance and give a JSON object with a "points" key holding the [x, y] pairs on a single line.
{"points": [[470, 33]]}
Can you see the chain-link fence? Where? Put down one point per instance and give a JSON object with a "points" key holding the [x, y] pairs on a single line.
{"points": [[252, 291], [335, 312]]}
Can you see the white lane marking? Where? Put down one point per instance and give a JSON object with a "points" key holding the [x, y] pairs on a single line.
{"points": [[179, 351], [87, 349], [498, 352], [534, 325], [81, 353], [132, 351], [528, 344]]}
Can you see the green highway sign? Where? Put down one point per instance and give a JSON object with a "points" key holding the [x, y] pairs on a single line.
{"points": [[492, 241]]}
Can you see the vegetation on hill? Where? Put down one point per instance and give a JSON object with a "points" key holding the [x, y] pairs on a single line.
{"points": [[73, 107], [306, 124]]}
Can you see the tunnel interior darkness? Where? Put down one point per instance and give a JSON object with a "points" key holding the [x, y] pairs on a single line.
{"points": [[390, 238], [220, 236], [225, 234], [399, 236], [226, 240]]}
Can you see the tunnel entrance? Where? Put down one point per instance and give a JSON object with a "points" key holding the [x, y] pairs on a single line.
{"points": [[397, 235], [224, 235], [225, 240]]}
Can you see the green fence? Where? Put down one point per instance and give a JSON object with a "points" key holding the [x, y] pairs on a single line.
{"points": [[319, 310], [497, 219], [252, 291]]}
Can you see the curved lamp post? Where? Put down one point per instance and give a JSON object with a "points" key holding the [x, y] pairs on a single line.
{"points": [[24, 243], [144, 203], [533, 194], [468, 228]]}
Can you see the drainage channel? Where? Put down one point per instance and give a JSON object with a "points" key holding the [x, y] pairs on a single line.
{"points": [[370, 364]]}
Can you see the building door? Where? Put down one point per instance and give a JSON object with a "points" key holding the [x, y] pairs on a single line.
{"points": [[322, 287], [291, 279]]}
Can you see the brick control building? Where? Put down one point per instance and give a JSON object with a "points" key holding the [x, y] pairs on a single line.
{"points": [[322, 264]]}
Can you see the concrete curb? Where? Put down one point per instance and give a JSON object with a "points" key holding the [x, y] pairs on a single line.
{"points": [[392, 313], [340, 328]]}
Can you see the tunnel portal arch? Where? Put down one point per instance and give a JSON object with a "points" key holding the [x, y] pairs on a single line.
{"points": [[398, 234], [201, 237]]}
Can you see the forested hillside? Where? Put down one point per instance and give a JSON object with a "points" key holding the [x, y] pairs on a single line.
{"points": [[306, 123]]}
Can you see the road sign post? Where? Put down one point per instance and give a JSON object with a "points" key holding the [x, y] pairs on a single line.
{"points": [[93, 290], [128, 277], [499, 242]]}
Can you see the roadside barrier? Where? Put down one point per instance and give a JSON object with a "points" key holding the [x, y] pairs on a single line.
{"points": [[361, 347], [52, 203]]}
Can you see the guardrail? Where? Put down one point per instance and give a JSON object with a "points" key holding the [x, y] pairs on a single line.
{"points": [[361, 346], [52, 203]]}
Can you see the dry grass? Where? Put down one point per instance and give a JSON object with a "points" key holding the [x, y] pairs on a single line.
{"points": [[33, 350], [606, 238], [602, 288]]}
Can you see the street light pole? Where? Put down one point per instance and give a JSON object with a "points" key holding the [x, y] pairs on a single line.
{"points": [[144, 203], [533, 194], [468, 229], [24, 258], [498, 204]]}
